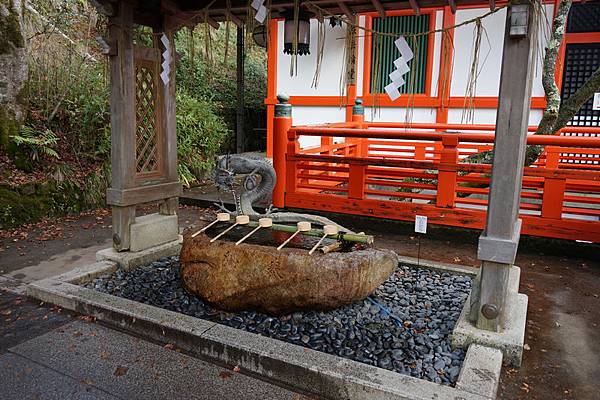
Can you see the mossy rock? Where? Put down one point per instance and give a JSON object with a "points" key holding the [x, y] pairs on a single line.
{"points": [[17, 208], [31, 202]]}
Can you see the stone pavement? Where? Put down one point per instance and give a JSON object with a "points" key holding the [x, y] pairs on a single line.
{"points": [[46, 353]]}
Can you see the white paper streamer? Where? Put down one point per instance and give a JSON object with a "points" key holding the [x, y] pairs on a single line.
{"points": [[401, 64], [166, 64], [261, 10]]}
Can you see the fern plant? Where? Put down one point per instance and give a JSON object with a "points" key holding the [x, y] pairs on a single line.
{"points": [[37, 143]]}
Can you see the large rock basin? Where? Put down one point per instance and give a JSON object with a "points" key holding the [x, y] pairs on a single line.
{"points": [[251, 276]]}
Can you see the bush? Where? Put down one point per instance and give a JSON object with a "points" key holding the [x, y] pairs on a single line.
{"points": [[215, 80], [200, 133]]}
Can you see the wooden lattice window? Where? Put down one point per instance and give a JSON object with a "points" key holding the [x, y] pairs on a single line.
{"points": [[581, 60], [584, 17], [384, 52], [147, 124]]}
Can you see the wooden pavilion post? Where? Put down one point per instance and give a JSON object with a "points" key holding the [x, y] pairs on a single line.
{"points": [[167, 96], [240, 137], [123, 121], [499, 241]]}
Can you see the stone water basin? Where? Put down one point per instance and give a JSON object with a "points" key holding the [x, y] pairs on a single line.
{"points": [[254, 275]]}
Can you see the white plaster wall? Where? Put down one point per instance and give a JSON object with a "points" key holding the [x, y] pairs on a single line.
{"points": [[486, 116], [398, 114], [360, 65], [490, 58], [302, 115], [437, 48], [331, 67]]}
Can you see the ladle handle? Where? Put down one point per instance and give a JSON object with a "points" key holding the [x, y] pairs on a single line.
{"points": [[282, 245], [224, 232], [317, 245], [205, 228], [248, 235]]}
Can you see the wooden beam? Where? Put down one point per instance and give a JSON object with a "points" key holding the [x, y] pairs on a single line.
{"points": [[379, 7], [346, 10], [414, 4], [143, 194], [452, 5], [238, 22]]}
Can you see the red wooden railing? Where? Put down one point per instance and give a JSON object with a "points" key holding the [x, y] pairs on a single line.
{"points": [[391, 170]]}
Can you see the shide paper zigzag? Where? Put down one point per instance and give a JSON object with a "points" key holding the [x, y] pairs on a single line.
{"points": [[261, 10], [166, 65], [401, 64]]}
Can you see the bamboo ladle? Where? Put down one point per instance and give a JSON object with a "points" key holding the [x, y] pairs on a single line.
{"points": [[221, 217], [327, 230], [239, 220], [262, 223], [301, 226]]}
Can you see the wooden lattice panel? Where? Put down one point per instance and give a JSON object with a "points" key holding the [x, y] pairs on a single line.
{"points": [[147, 124]]}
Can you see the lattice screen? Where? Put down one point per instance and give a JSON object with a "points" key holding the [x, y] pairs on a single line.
{"points": [[584, 17], [146, 107], [581, 60]]}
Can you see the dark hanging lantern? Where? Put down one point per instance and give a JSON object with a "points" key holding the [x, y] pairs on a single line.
{"points": [[303, 32], [259, 35]]}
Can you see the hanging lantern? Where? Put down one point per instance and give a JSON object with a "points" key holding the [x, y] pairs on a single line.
{"points": [[259, 35], [303, 32]]}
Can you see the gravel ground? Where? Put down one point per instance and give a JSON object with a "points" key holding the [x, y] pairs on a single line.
{"points": [[404, 326]]}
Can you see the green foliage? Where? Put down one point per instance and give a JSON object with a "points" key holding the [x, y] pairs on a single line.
{"points": [[72, 98], [36, 144], [212, 76], [200, 133]]}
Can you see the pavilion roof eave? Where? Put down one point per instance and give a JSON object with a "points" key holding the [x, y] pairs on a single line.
{"points": [[191, 12]]}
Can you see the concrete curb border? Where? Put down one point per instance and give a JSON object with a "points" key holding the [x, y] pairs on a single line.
{"points": [[270, 359], [512, 338]]}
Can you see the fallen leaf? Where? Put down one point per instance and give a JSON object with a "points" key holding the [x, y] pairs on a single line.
{"points": [[87, 381], [236, 368], [120, 371], [5, 312], [103, 355], [526, 347], [169, 346], [225, 375]]}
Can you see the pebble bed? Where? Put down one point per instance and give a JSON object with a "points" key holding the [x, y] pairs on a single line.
{"points": [[404, 326]]}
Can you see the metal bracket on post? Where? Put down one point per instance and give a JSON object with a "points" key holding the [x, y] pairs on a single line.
{"points": [[519, 19]]}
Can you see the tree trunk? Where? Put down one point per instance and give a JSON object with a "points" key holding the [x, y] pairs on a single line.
{"points": [[13, 69]]}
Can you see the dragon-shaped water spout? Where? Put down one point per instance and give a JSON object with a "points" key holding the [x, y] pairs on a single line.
{"points": [[257, 186]]}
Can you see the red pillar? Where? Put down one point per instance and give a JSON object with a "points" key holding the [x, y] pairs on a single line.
{"points": [[282, 122]]}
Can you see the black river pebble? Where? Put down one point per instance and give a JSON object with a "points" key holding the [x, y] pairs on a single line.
{"points": [[415, 340]]}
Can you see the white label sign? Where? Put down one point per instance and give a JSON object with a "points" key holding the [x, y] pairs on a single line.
{"points": [[420, 224], [596, 105]]}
